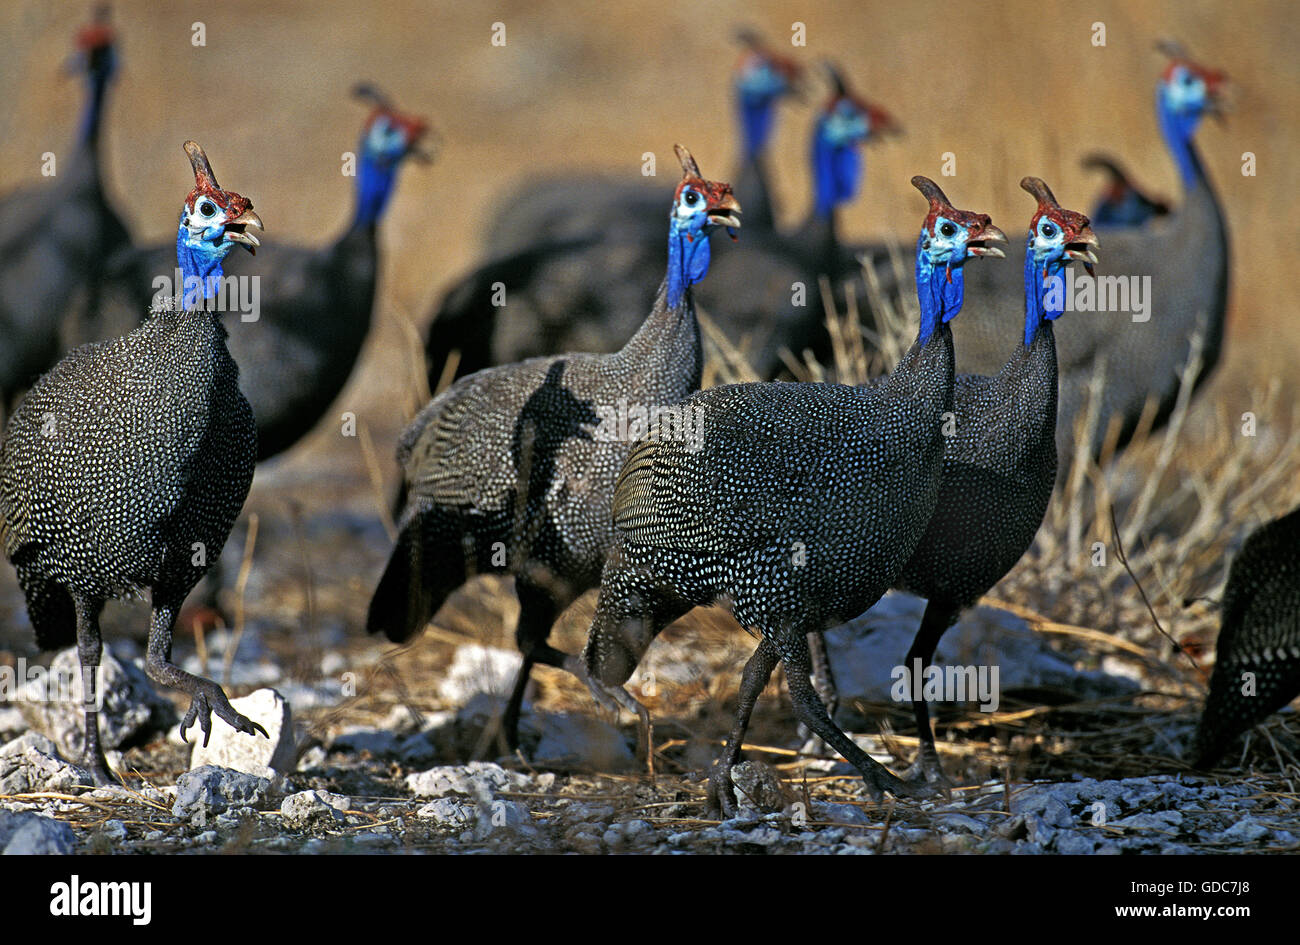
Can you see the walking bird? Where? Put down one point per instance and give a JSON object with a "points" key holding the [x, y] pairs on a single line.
{"points": [[126, 465], [512, 468]]}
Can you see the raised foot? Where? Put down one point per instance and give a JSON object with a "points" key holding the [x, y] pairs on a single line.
{"points": [[615, 697], [209, 698]]}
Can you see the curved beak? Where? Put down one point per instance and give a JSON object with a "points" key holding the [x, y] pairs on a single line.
{"points": [[725, 212], [977, 245], [425, 146], [1078, 248], [237, 230]]}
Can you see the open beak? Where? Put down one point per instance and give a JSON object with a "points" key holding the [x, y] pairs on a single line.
{"points": [[237, 230], [977, 245], [726, 212], [1078, 248], [425, 146]]}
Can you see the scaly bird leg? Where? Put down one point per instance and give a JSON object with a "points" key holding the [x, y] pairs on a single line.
{"points": [[206, 696]]}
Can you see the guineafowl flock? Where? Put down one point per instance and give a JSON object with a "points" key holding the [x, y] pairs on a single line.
{"points": [[568, 445]]}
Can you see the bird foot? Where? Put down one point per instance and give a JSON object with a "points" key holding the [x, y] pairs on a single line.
{"points": [[100, 773], [926, 770], [208, 698], [615, 697], [721, 792], [878, 783]]}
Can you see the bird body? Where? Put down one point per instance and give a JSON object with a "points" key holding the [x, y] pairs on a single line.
{"points": [[999, 463], [797, 512], [1257, 659], [126, 465], [54, 239], [513, 468]]}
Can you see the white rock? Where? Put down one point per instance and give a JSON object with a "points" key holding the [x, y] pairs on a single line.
{"points": [[475, 669], [30, 763], [471, 780], [27, 834], [212, 790], [131, 708], [313, 809], [252, 754], [864, 653], [449, 812]]}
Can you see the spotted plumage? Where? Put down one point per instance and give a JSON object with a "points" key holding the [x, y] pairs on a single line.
{"points": [[796, 510], [126, 465], [512, 469], [999, 464], [1260, 635]]}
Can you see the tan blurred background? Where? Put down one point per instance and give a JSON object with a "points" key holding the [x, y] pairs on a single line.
{"points": [[1010, 88]]}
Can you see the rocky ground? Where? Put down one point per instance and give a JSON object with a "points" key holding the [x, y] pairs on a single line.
{"points": [[356, 762]]}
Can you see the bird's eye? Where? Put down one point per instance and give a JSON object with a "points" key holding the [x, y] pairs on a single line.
{"points": [[207, 209], [691, 198], [1047, 230], [947, 229]]}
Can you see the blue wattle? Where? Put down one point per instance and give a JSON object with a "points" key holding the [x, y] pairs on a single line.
{"points": [[837, 171], [1038, 280], [688, 256], [200, 270], [940, 290], [375, 179], [1178, 129], [756, 120]]}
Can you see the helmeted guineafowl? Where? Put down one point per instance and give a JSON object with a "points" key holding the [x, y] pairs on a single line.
{"points": [[999, 464], [314, 306], [587, 292], [1257, 663], [796, 509], [1141, 345], [512, 469], [125, 467], [589, 206], [1121, 203], [55, 238]]}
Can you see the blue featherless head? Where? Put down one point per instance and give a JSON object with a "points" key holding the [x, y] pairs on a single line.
{"points": [[1056, 236], [948, 238], [387, 139], [699, 207], [1186, 93], [762, 80], [212, 223], [845, 124]]}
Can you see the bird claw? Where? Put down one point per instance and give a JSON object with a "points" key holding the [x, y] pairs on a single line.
{"points": [[926, 772], [721, 792], [209, 698]]}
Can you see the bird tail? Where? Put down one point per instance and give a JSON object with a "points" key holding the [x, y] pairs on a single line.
{"points": [[50, 607], [417, 579]]}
